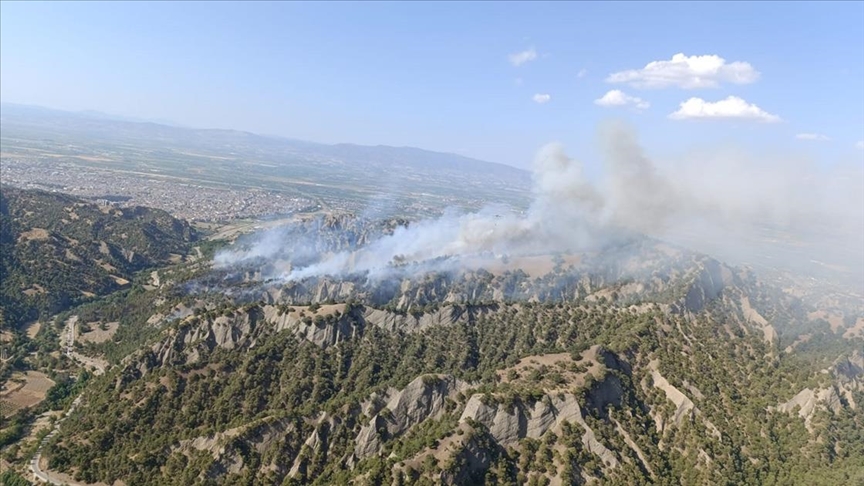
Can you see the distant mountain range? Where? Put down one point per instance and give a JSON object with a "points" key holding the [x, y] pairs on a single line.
{"points": [[96, 124], [351, 172]]}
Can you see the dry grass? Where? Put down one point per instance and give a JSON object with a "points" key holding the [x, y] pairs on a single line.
{"points": [[107, 267], [855, 331], [34, 290], [34, 234], [833, 320], [33, 329], [573, 374], [97, 335]]}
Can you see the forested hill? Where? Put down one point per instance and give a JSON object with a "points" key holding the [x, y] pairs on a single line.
{"points": [[641, 363], [674, 375], [57, 250]]}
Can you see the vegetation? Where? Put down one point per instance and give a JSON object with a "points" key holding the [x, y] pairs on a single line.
{"points": [[57, 251], [290, 382], [11, 478], [435, 379]]}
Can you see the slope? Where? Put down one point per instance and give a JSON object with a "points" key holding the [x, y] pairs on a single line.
{"points": [[56, 250]]}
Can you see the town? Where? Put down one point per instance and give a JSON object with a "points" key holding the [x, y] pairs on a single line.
{"points": [[187, 200]]}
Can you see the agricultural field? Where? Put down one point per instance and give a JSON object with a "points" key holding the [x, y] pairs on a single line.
{"points": [[25, 389]]}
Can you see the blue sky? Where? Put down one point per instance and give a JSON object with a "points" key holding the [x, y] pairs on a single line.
{"points": [[439, 76]]}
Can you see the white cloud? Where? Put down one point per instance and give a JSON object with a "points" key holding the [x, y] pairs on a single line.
{"points": [[620, 98], [687, 72], [541, 98], [732, 107], [816, 137], [582, 73], [519, 58], [860, 145]]}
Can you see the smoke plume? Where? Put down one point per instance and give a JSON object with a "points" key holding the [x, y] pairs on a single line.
{"points": [[742, 210]]}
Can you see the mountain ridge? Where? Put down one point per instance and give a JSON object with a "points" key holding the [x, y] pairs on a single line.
{"points": [[18, 110]]}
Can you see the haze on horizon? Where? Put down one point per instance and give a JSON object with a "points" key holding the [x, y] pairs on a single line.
{"points": [[490, 81], [741, 129], [432, 243]]}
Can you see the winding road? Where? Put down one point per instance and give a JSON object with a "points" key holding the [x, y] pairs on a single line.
{"points": [[67, 341], [44, 476]]}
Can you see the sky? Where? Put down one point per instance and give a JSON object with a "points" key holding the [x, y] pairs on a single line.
{"points": [[494, 81]]}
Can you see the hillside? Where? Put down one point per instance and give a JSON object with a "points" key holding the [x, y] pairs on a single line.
{"points": [[57, 251], [630, 362], [639, 364]]}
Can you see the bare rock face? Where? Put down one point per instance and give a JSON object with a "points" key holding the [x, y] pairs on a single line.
{"points": [[355, 320], [808, 400], [184, 344], [227, 458], [444, 316], [424, 398], [805, 401], [323, 333], [368, 441], [505, 422], [753, 317], [684, 406], [707, 286], [475, 451], [850, 370], [155, 319], [508, 423], [338, 291], [315, 444], [848, 375], [831, 399], [242, 328]]}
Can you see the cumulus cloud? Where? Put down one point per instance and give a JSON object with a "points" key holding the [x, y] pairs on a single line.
{"points": [[816, 137], [519, 58], [860, 145], [731, 108], [619, 98], [541, 98], [687, 72], [582, 72]]}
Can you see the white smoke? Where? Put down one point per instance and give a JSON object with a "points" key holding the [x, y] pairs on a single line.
{"points": [[724, 204]]}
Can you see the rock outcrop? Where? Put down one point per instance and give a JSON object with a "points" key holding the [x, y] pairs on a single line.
{"points": [[243, 327], [752, 316], [424, 398], [847, 375], [223, 446], [684, 406], [184, 344], [807, 401], [510, 422]]}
